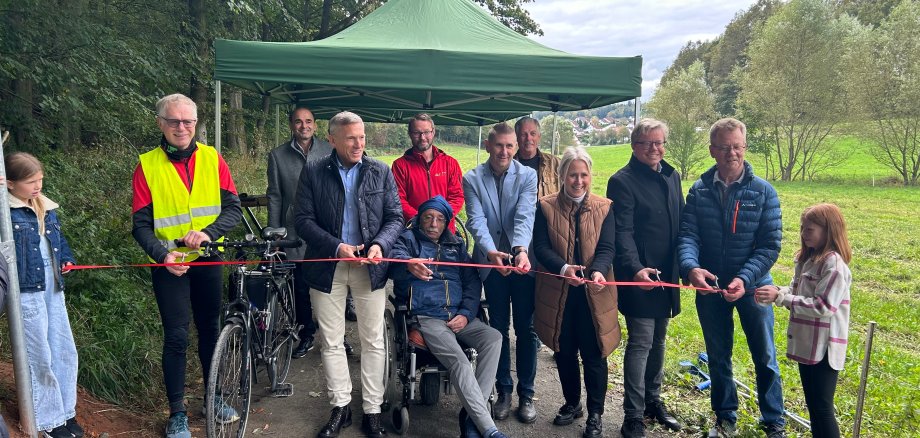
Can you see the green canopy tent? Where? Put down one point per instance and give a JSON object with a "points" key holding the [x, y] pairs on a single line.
{"points": [[448, 58]]}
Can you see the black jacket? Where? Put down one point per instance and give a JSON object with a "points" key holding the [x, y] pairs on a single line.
{"points": [[647, 205], [320, 208]]}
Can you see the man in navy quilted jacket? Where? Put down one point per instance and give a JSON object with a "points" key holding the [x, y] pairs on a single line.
{"points": [[730, 233]]}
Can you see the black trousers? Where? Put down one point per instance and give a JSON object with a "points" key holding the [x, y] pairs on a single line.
{"points": [[819, 382], [578, 335], [302, 302], [196, 294]]}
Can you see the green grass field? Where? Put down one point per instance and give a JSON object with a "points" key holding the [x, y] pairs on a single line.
{"points": [[882, 221]]}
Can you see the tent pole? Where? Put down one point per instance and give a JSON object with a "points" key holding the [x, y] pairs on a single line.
{"points": [[277, 124], [14, 315], [217, 115], [555, 119], [637, 107], [478, 145]]}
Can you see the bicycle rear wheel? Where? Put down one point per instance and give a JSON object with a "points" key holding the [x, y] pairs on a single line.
{"points": [[229, 382]]}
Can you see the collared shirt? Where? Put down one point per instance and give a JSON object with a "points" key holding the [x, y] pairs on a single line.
{"points": [[504, 245], [299, 149], [351, 227], [722, 186]]}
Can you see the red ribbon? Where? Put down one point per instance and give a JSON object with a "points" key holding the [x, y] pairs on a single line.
{"points": [[354, 259]]}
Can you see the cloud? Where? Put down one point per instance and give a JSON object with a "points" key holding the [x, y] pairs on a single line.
{"points": [[654, 29]]}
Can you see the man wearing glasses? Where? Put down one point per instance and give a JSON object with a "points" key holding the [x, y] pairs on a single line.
{"points": [[648, 200], [285, 163], [425, 171], [730, 233], [183, 191]]}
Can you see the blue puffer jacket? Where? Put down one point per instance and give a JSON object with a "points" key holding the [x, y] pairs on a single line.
{"points": [[29, 262], [738, 239], [453, 290]]}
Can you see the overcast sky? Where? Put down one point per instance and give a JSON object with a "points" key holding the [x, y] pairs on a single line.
{"points": [[654, 29]]}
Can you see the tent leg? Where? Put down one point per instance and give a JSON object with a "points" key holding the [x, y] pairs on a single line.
{"points": [[217, 115], [277, 124], [555, 119], [478, 145], [637, 107], [14, 315]]}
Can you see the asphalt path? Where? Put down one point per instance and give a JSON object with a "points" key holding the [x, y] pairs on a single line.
{"points": [[305, 412]]}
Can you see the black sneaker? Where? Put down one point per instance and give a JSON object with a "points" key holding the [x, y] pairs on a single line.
{"points": [[657, 411], [633, 428], [57, 432], [502, 407], [774, 430], [74, 428], [305, 345], [348, 348], [567, 414]]}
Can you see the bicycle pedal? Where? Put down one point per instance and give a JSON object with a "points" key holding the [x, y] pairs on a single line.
{"points": [[283, 390]]}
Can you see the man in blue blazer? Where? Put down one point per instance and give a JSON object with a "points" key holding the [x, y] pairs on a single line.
{"points": [[501, 200]]}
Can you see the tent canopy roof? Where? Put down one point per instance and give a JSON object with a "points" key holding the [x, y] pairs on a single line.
{"points": [[449, 58]]}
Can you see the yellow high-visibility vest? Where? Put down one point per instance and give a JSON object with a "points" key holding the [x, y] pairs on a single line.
{"points": [[175, 210]]}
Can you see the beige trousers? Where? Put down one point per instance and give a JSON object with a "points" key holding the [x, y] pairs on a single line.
{"points": [[329, 310]]}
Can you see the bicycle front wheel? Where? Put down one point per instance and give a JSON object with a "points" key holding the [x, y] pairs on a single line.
{"points": [[229, 384], [282, 331]]}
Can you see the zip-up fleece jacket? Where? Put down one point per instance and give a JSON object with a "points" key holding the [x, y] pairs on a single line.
{"points": [[418, 181], [452, 291], [739, 237]]}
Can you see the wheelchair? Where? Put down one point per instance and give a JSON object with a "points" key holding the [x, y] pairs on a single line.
{"points": [[413, 375]]}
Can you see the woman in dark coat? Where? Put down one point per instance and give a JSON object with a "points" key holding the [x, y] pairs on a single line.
{"points": [[574, 232]]}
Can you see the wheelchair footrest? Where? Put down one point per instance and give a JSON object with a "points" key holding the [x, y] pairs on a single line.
{"points": [[283, 390]]}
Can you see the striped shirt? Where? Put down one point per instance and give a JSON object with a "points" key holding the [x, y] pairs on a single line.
{"points": [[819, 300]]}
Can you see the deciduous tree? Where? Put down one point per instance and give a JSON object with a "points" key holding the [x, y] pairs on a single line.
{"points": [[793, 84], [686, 104], [885, 80]]}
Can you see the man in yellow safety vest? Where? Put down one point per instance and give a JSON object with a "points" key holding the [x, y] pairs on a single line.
{"points": [[183, 190]]}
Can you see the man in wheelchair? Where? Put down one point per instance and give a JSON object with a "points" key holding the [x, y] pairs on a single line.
{"points": [[443, 302]]}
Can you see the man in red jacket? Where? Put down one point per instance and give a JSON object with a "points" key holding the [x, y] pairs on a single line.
{"points": [[425, 171]]}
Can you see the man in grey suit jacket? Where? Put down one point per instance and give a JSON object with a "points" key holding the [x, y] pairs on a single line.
{"points": [[501, 200], [285, 163]]}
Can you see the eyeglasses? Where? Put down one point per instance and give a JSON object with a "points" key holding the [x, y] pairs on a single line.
{"points": [[420, 133], [729, 147], [174, 123], [650, 144]]}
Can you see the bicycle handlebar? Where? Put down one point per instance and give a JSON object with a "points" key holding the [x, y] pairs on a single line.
{"points": [[247, 244]]}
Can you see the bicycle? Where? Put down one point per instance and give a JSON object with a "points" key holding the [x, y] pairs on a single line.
{"points": [[259, 327]]}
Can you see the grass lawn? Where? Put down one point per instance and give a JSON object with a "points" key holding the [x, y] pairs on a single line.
{"points": [[882, 222]]}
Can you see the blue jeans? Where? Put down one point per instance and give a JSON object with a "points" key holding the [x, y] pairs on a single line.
{"points": [[52, 353], [718, 331], [503, 293]]}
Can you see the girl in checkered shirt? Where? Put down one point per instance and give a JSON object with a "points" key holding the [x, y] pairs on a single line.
{"points": [[819, 302]]}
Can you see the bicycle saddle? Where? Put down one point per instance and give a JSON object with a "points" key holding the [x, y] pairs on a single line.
{"points": [[269, 233]]}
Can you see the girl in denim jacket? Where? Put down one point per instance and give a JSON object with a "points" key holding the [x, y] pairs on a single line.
{"points": [[42, 256]]}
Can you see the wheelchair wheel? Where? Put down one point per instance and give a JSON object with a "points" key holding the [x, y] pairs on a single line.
{"points": [[399, 417], [393, 391], [230, 382], [430, 387]]}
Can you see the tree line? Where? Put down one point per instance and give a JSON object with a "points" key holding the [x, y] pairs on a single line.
{"points": [[86, 73], [797, 73]]}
